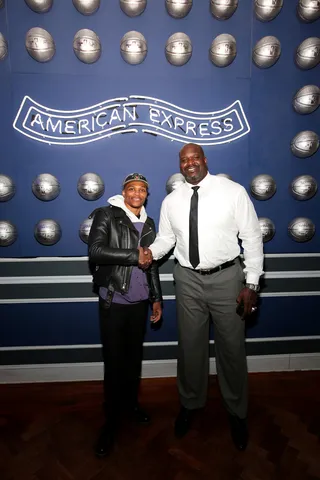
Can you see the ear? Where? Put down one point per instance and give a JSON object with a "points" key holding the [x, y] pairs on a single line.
{"points": [[123, 193], [205, 160]]}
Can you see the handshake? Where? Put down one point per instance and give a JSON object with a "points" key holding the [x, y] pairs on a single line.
{"points": [[145, 258]]}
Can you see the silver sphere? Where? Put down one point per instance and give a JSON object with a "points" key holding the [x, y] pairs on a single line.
{"points": [[178, 49], [84, 229], [267, 229], [46, 187], [8, 233], [3, 47], [223, 50], [174, 182], [133, 47], [178, 8], [305, 144], [263, 187], [40, 44], [266, 52], [303, 187], [301, 229], [308, 53], [307, 99], [39, 6], [224, 175], [86, 7], [309, 10], [7, 188], [267, 10], [90, 186], [223, 9], [86, 46], [47, 232], [133, 8]]}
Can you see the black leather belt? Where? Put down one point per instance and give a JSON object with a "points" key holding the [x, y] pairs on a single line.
{"points": [[213, 270]]}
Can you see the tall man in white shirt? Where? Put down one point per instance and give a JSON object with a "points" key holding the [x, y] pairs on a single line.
{"points": [[203, 219]]}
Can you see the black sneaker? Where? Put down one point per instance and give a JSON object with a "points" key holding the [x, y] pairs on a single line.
{"points": [[105, 441], [140, 416]]}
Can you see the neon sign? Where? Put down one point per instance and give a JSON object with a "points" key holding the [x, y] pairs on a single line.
{"points": [[130, 115]]}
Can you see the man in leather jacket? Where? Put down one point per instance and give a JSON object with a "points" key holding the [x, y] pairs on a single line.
{"points": [[117, 236]]}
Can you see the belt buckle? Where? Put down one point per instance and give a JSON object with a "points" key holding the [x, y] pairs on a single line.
{"points": [[205, 272]]}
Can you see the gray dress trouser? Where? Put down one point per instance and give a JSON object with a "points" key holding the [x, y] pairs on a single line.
{"points": [[199, 297]]}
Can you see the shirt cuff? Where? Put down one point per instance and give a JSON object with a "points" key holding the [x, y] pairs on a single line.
{"points": [[252, 278], [154, 252]]}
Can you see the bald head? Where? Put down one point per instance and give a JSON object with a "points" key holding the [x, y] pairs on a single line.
{"points": [[193, 145]]}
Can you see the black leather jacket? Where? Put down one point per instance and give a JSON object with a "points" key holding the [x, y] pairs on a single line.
{"points": [[113, 249]]}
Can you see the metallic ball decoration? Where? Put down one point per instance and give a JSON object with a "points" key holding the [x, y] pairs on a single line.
{"points": [[86, 7], [266, 52], [267, 10], [301, 229], [7, 188], [133, 8], [303, 187], [46, 187], [225, 175], [174, 182], [178, 8], [305, 144], [308, 53], [267, 229], [307, 99], [39, 6], [87, 46], [178, 49], [84, 229], [40, 44], [223, 50], [90, 186], [223, 9], [47, 232], [133, 47], [8, 233], [263, 187], [309, 10], [3, 47]]}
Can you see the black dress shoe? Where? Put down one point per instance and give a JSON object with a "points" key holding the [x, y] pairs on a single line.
{"points": [[239, 431], [140, 416], [105, 441], [183, 422]]}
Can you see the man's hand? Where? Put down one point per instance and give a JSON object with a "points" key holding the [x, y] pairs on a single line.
{"points": [[248, 298], [156, 312], [145, 258]]}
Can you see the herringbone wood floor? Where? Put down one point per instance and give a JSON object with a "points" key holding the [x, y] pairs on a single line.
{"points": [[47, 433]]}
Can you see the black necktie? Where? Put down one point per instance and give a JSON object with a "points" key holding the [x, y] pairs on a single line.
{"points": [[193, 229]]}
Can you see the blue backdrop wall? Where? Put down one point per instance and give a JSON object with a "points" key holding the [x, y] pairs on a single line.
{"points": [[48, 301]]}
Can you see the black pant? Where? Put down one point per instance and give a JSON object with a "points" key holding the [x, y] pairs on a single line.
{"points": [[122, 330]]}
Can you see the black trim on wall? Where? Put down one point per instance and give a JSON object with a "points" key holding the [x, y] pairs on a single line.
{"points": [[159, 352], [81, 267], [84, 290]]}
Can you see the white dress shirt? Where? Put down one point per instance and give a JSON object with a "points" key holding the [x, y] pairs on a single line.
{"points": [[225, 212]]}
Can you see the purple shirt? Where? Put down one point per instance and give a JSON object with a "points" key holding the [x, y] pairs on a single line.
{"points": [[138, 288]]}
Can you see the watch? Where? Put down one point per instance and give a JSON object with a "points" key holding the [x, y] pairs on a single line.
{"points": [[253, 287]]}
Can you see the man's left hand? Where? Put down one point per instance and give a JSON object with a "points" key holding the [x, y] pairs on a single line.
{"points": [[248, 298], [156, 312]]}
